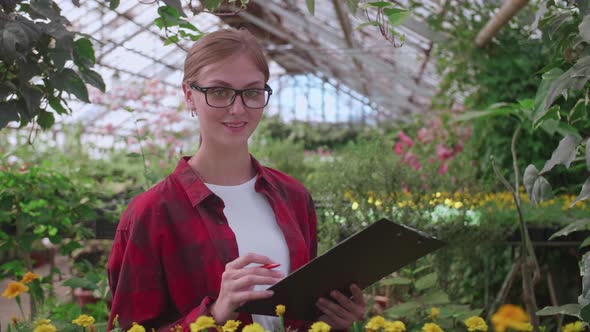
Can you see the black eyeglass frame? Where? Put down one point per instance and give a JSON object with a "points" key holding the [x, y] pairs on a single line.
{"points": [[237, 92]]}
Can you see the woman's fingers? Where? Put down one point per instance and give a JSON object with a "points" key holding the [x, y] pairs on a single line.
{"points": [[249, 281], [243, 261]]}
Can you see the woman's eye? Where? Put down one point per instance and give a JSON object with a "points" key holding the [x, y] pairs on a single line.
{"points": [[251, 93], [221, 92]]}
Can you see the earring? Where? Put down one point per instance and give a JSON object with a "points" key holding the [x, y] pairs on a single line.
{"points": [[193, 111]]}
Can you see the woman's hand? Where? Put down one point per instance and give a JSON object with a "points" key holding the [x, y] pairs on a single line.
{"points": [[237, 285], [346, 311]]}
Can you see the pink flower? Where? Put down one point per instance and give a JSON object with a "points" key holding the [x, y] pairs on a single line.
{"points": [[412, 160], [109, 128], [399, 148], [424, 136], [444, 169], [406, 139], [443, 153]]}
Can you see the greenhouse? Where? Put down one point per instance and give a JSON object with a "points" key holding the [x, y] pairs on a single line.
{"points": [[291, 165]]}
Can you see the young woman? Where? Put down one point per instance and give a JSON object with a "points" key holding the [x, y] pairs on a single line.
{"points": [[194, 243]]}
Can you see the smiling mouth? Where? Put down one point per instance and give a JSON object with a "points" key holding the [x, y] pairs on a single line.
{"points": [[234, 124]]}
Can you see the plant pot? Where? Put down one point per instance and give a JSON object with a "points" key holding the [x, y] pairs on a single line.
{"points": [[41, 257], [84, 296]]}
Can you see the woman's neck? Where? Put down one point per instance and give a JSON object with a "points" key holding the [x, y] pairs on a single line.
{"points": [[222, 167]]}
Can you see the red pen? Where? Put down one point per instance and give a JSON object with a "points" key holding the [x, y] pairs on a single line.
{"points": [[270, 266]]}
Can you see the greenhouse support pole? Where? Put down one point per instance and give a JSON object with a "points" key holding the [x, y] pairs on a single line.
{"points": [[507, 11]]}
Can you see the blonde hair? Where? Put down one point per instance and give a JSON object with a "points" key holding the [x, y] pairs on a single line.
{"points": [[220, 45]]}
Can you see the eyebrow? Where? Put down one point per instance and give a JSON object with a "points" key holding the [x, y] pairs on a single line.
{"points": [[224, 83]]}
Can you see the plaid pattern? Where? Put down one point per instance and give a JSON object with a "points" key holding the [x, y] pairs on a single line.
{"points": [[173, 241]]}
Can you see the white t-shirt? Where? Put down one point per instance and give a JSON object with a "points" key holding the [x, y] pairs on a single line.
{"points": [[253, 222]]}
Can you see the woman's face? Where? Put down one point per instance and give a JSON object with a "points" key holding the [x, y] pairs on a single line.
{"points": [[229, 126]]}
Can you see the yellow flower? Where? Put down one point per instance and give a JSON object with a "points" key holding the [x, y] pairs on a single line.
{"points": [[434, 312], [574, 327], [45, 328], [203, 322], [431, 327], [438, 195], [280, 309], [254, 327], [29, 276], [458, 205], [397, 326], [40, 321], [375, 323], [176, 328], [378, 203], [84, 320], [319, 327], [511, 316], [370, 200], [14, 289], [136, 328], [475, 323], [231, 325], [355, 205]]}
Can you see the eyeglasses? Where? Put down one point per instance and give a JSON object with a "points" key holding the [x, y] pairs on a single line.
{"points": [[221, 97]]}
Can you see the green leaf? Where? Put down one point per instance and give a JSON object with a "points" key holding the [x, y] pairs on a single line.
{"points": [[45, 119], [212, 5], [436, 297], [574, 78], [379, 4], [576, 226], [353, 6], [541, 97], [159, 22], [187, 25], [59, 57], [585, 313], [13, 36], [76, 282], [588, 154], [56, 105], [396, 16], [64, 38], [366, 24], [176, 4], [32, 96], [527, 104], [578, 112], [83, 49], [113, 4], [169, 15], [310, 6], [396, 281], [564, 154], [44, 8], [402, 310], [585, 243], [9, 111], [67, 80], [567, 309], [93, 78], [537, 187], [584, 193], [172, 39], [500, 111], [584, 28], [426, 281]]}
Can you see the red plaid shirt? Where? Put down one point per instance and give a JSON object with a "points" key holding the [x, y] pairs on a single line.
{"points": [[173, 242]]}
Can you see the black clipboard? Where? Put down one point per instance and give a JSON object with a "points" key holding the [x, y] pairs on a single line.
{"points": [[364, 258]]}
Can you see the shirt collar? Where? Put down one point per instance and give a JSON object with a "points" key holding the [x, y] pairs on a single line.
{"points": [[195, 188]]}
